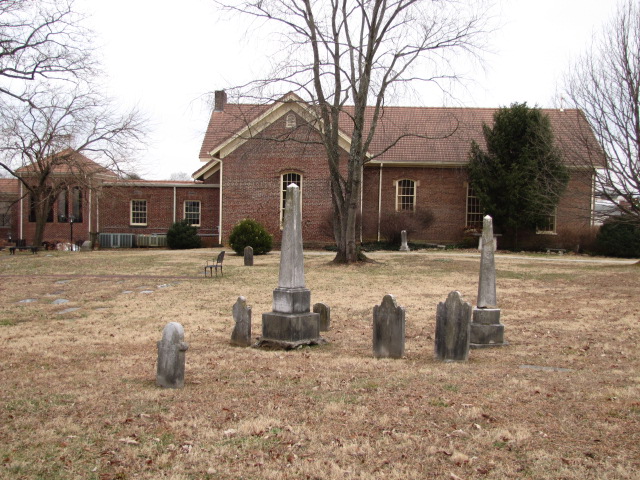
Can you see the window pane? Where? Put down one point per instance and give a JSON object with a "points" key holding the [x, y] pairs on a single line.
{"points": [[474, 210], [138, 212], [406, 195]]}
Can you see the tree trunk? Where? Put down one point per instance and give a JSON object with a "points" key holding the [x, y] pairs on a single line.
{"points": [[43, 206], [345, 224]]}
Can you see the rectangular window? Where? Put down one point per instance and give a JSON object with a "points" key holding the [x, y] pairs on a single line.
{"points": [[5, 214], [33, 205], [548, 225], [62, 207], [192, 212], [77, 205], [405, 196], [474, 210], [139, 212]]}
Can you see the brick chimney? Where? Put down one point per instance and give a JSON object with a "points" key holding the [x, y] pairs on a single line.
{"points": [[220, 100]]}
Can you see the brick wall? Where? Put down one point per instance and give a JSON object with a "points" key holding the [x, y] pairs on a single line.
{"points": [[252, 182], [115, 208]]}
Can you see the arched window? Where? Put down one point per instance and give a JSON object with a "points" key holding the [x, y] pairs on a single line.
{"points": [[405, 195], [287, 179], [290, 120]]}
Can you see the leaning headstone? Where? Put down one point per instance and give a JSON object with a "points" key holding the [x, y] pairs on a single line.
{"points": [[248, 256], [453, 323], [404, 247], [86, 246], [171, 357], [241, 334], [388, 329], [325, 315], [291, 323], [486, 329]]}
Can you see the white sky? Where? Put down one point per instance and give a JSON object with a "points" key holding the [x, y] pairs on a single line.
{"points": [[163, 56]]}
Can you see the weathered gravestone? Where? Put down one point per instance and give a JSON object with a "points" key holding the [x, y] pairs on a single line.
{"points": [[453, 323], [404, 247], [291, 323], [248, 256], [86, 246], [241, 334], [171, 357], [325, 316], [486, 329], [388, 329]]}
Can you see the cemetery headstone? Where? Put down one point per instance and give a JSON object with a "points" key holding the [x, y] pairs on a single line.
{"points": [[486, 329], [388, 329], [241, 334], [291, 323], [171, 357], [404, 247], [453, 324], [325, 316], [248, 256]]}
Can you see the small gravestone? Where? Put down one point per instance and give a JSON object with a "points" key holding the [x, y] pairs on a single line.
{"points": [[453, 323], [404, 247], [388, 329], [325, 316], [171, 356], [486, 329], [241, 334], [86, 246], [248, 256]]}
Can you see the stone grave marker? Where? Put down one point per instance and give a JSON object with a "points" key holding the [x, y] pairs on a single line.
{"points": [[241, 334], [291, 323], [404, 247], [325, 316], [453, 324], [248, 256], [486, 329], [171, 357], [388, 329]]}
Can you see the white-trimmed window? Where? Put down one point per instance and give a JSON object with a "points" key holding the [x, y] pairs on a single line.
{"points": [[548, 225], [192, 212], [139, 212], [286, 180], [474, 210], [406, 195]]}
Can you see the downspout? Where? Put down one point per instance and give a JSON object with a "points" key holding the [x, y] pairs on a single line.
{"points": [[174, 204], [89, 222], [220, 207], [379, 200]]}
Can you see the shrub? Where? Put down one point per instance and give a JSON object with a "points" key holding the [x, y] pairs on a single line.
{"points": [[183, 235], [249, 233], [391, 224], [619, 238]]}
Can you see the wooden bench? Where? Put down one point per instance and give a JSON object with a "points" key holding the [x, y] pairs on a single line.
{"points": [[12, 250]]}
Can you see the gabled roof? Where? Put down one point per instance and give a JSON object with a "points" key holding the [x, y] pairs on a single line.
{"points": [[69, 162], [428, 136]]}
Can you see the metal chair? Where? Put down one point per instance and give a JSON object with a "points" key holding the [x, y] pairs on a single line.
{"points": [[217, 265]]}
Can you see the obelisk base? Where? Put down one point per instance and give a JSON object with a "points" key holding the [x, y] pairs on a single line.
{"points": [[290, 330], [486, 329]]}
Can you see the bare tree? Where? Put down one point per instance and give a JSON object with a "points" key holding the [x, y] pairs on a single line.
{"points": [[40, 40], [605, 85], [45, 147], [345, 57]]}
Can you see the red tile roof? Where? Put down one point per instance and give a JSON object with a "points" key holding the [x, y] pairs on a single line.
{"points": [[430, 135], [69, 161]]}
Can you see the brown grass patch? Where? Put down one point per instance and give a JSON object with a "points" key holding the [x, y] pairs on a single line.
{"points": [[79, 400]]}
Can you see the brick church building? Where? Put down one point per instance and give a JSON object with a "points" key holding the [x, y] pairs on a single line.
{"points": [[250, 153]]}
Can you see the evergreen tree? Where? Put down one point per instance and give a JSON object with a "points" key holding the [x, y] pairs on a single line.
{"points": [[520, 177]]}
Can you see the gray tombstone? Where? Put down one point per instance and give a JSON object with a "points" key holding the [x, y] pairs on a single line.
{"points": [[325, 316], [291, 323], [453, 324], [486, 329], [86, 246], [241, 334], [388, 329], [248, 256], [171, 357], [404, 247]]}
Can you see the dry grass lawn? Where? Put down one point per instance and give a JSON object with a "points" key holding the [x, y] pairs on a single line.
{"points": [[78, 398]]}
